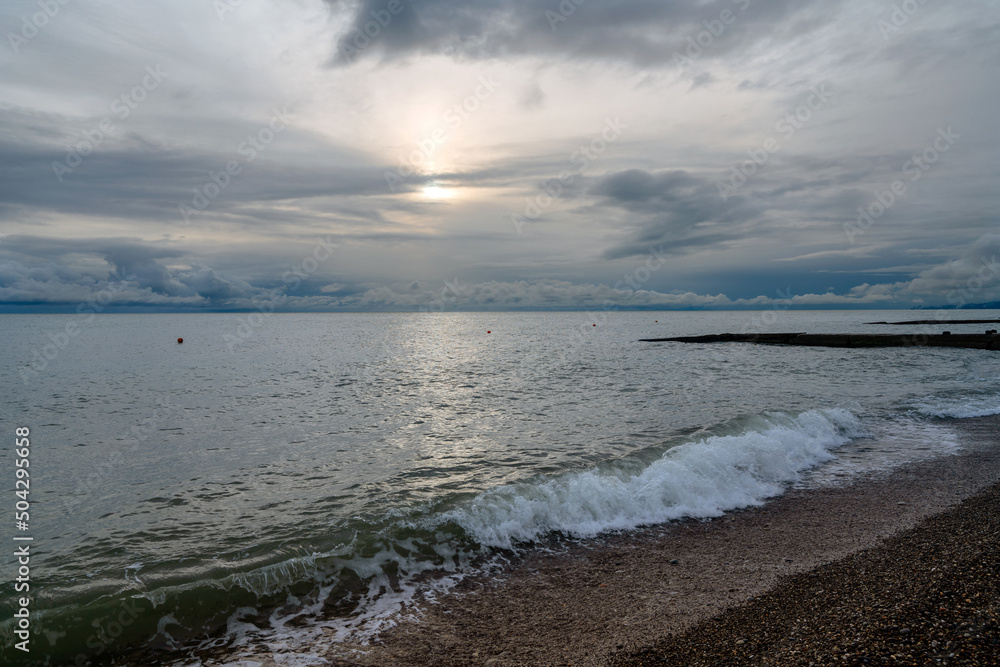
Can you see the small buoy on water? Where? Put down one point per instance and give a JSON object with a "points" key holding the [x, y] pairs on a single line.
{"points": [[180, 340], [595, 325], [489, 332]]}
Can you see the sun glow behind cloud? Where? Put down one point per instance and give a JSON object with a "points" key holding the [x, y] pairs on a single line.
{"points": [[437, 192]]}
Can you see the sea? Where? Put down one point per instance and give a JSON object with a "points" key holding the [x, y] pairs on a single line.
{"points": [[303, 478]]}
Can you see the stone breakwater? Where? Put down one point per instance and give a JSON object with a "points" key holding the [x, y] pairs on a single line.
{"points": [[985, 341], [939, 322]]}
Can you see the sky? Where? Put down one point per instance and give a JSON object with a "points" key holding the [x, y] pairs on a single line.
{"points": [[429, 155]]}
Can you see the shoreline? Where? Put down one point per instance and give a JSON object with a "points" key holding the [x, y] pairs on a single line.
{"points": [[929, 595], [615, 596], [628, 598]]}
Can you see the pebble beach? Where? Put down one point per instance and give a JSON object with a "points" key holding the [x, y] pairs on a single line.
{"points": [[899, 568], [928, 596]]}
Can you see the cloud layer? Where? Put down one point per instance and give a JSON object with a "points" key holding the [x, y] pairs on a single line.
{"points": [[365, 155]]}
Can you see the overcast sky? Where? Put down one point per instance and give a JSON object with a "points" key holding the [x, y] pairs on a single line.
{"points": [[493, 154]]}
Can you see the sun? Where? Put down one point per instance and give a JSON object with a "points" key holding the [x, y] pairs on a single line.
{"points": [[437, 192]]}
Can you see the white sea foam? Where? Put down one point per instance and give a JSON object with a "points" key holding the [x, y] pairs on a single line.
{"points": [[978, 405], [701, 478], [698, 479]]}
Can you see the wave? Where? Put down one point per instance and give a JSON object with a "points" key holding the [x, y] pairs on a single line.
{"points": [[367, 583], [698, 479], [978, 405]]}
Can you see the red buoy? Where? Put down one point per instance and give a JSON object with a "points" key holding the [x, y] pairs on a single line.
{"points": [[489, 332], [180, 340]]}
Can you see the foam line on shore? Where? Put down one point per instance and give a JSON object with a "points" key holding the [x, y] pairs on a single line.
{"points": [[976, 405]]}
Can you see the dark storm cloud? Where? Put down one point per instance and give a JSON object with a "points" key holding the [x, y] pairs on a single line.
{"points": [[643, 32], [37, 270], [636, 188], [667, 208]]}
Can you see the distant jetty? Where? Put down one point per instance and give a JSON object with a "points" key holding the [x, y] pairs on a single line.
{"points": [[939, 322], [987, 341]]}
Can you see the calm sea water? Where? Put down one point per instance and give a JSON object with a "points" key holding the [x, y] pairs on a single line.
{"points": [[307, 473]]}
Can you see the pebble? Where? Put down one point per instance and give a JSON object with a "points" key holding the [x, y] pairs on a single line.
{"points": [[880, 606]]}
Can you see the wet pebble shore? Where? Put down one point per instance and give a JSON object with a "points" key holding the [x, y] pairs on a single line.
{"points": [[929, 596]]}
